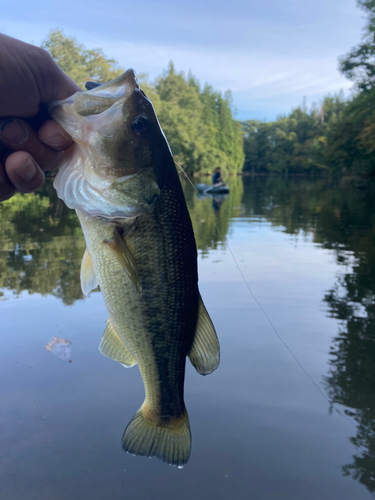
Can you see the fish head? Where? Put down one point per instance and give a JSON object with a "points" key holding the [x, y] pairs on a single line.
{"points": [[109, 172]]}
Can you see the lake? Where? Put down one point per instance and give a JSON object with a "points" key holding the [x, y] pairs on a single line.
{"points": [[287, 273]]}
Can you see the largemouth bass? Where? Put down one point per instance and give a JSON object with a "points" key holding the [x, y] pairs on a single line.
{"points": [[121, 179]]}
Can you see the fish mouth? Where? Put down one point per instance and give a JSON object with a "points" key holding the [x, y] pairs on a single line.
{"points": [[99, 99], [98, 121], [114, 88]]}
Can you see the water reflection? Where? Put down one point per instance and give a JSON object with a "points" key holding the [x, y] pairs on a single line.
{"points": [[210, 227], [41, 241], [41, 247], [342, 220], [351, 379], [217, 200]]}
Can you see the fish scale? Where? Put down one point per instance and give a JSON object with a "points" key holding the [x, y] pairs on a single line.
{"points": [[162, 319]]}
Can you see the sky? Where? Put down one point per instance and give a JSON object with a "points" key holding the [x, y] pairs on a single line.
{"points": [[271, 54]]}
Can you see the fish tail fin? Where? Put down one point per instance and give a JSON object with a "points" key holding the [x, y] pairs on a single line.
{"points": [[170, 442]]}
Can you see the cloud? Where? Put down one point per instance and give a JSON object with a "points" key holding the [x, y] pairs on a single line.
{"points": [[264, 72], [270, 54]]}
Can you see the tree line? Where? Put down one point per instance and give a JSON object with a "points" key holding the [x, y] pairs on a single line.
{"points": [[198, 122], [336, 137]]}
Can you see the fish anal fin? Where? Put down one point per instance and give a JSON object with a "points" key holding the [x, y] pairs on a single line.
{"points": [[88, 275], [125, 258], [149, 438], [205, 351], [113, 347]]}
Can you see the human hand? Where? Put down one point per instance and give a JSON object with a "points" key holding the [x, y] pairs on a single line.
{"points": [[29, 78]]}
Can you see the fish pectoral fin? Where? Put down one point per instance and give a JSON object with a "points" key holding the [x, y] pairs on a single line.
{"points": [[113, 347], [88, 275], [125, 258], [205, 351]]}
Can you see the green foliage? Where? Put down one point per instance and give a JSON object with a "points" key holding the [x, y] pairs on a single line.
{"points": [[359, 64], [211, 216], [351, 139], [291, 144], [40, 252], [79, 63], [41, 242], [337, 138], [198, 123]]}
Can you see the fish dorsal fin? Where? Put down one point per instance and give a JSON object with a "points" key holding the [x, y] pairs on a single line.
{"points": [[88, 275], [125, 258], [205, 351], [113, 347]]}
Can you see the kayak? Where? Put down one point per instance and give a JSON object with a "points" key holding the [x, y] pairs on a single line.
{"points": [[207, 189]]}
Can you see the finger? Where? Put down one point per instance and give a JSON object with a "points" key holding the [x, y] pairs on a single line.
{"points": [[58, 86], [6, 188], [23, 172], [52, 134], [19, 136]]}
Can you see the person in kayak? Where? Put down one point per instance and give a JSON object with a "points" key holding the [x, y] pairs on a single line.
{"points": [[216, 178]]}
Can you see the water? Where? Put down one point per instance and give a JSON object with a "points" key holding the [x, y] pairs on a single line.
{"points": [[261, 428]]}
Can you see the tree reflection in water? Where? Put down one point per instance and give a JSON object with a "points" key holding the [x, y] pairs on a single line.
{"points": [[351, 379], [210, 227], [41, 247], [342, 220], [41, 241]]}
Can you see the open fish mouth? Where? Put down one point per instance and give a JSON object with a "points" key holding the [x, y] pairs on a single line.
{"points": [[102, 97], [108, 172]]}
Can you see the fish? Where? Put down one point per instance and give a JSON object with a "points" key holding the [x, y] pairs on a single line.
{"points": [[121, 179]]}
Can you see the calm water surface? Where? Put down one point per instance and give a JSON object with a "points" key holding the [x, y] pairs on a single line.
{"points": [[261, 428]]}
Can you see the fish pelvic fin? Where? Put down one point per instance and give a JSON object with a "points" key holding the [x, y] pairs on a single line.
{"points": [[113, 347], [125, 258], [147, 437], [88, 275], [204, 354]]}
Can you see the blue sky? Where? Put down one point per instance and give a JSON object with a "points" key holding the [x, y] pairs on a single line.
{"points": [[270, 53]]}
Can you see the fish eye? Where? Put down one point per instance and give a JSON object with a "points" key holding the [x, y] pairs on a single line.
{"points": [[140, 125]]}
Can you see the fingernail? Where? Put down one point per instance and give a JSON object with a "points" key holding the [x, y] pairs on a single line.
{"points": [[56, 141], [13, 131], [27, 170]]}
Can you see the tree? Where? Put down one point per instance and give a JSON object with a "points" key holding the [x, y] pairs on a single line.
{"points": [[79, 63], [40, 260], [199, 125], [359, 64]]}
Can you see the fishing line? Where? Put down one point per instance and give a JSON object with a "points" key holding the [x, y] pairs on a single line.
{"points": [[264, 311]]}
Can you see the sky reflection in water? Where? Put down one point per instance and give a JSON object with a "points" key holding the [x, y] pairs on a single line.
{"points": [[260, 428]]}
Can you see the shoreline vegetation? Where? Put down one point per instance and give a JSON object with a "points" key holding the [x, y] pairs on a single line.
{"points": [[334, 139]]}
